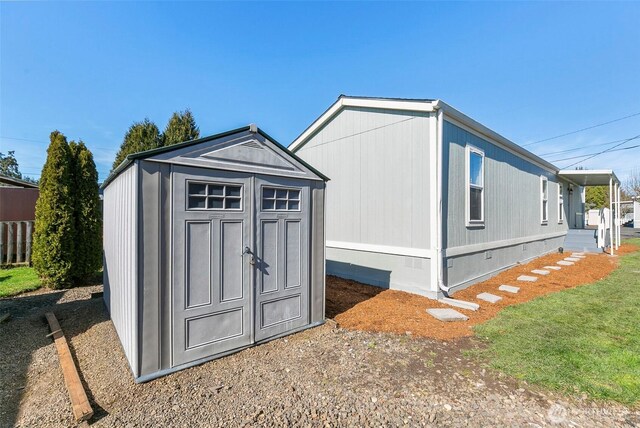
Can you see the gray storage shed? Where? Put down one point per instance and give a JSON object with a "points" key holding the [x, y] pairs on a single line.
{"points": [[211, 246]]}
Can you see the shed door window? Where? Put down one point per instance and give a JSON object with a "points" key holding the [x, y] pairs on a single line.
{"points": [[214, 196], [475, 185], [544, 198], [560, 203], [278, 199]]}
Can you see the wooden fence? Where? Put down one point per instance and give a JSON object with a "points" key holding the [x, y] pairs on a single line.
{"points": [[15, 242]]}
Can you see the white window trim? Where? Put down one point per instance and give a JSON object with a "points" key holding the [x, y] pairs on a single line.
{"points": [[544, 219], [560, 203], [467, 186]]}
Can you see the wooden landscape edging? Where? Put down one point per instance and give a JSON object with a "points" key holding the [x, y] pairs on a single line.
{"points": [[82, 410]]}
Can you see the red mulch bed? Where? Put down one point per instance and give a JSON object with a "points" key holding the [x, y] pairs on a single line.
{"points": [[357, 306]]}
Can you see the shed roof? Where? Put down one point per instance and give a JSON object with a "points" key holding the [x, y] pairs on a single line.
{"points": [[166, 149], [16, 182]]}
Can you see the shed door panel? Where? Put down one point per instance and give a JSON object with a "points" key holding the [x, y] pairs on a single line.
{"points": [[212, 311], [282, 245]]}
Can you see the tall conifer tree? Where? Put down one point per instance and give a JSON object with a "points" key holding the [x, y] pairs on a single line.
{"points": [[53, 240], [140, 136], [87, 216], [181, 127]]}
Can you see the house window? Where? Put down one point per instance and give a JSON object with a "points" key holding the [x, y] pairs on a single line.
{"points": [[544, 199], [214, 196], [278, 199], [475, 186], [560, 203]]}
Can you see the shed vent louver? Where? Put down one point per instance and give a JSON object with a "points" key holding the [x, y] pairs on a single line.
{"points": [[252, 144]]}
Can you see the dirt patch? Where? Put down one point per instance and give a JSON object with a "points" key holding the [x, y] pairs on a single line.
{"points": [[321, 377], [369, 308]]}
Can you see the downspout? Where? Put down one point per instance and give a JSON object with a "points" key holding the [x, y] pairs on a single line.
{"points": [[439, 187]]}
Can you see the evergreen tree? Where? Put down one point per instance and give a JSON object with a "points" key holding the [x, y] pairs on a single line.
{"points": [[53, 240], [141, 136], [9, 165], [87, 217], [597, 197], [181, 127]]}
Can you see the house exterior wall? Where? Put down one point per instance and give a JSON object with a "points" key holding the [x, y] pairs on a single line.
{"points": [[512, 230], [377, 203], [120, 260]]}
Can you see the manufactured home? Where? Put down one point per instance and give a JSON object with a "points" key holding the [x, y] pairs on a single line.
{"points": [[211, 246], [425, 199]]}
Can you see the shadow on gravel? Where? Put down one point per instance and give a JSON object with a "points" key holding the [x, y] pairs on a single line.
{"points": [[26, 331]]}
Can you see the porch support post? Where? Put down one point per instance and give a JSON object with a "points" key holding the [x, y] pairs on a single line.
{"points": [[619, 215], [611, 226]]}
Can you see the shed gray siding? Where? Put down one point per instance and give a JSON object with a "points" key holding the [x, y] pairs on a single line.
{"points": [[317, 252], [120, 260], [378, 198], [155, 234], [512, 210], [140, 241]]}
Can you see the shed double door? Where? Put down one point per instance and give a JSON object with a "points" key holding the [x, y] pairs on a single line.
{"points": [[240, 260]]}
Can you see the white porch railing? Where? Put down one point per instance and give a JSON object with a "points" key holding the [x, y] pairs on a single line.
{"points": [[15, 242], [604, 228]]}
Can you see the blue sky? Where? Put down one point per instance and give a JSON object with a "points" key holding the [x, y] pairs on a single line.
{"points": [[527, 70]]}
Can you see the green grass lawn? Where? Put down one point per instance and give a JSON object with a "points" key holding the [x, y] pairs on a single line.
{"points": [[18, 280], [583, 340]]}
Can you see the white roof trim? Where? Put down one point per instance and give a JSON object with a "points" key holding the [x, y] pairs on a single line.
{"points": [[388, 104], [494, 137], [590, 177]]}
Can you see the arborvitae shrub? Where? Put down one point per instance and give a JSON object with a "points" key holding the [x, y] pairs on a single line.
{"points": [[87, 215], [54, 234]]}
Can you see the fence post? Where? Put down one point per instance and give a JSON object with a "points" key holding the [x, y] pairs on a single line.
{"points": [[1, 242], [27, 255], [19, 242], [10, 239]]}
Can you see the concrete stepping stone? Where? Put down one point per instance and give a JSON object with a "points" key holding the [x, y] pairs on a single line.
{"points": [[540, 272], [564, 263], [460, 303], [447, 315], [488, 297], [509, 288], [580, 256], [577, 254], [553, 267], [527, 278], [572, 259]]}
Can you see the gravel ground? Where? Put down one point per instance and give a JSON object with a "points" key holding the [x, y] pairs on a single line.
{"points": [[325, 376]]}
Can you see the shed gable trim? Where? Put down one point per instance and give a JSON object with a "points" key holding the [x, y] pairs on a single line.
{"points": [[277, 149]]}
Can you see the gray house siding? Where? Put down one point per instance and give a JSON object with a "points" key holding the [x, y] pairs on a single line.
{"points": [[377, 203], [120, 260], [512, 230]]}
